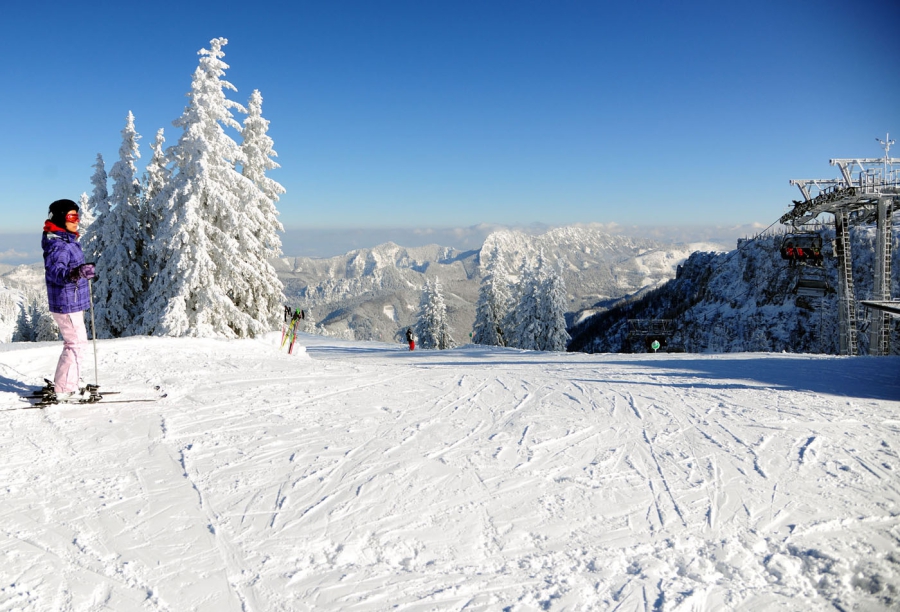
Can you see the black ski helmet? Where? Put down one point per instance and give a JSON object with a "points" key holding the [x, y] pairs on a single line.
{"points": [[58, 211]]}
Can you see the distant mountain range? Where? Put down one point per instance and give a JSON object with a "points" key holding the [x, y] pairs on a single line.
{"points": [[718, 300], [373, 294]]}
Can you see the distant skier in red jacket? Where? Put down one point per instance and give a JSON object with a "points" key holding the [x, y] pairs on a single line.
{"points": [[411, 339]]}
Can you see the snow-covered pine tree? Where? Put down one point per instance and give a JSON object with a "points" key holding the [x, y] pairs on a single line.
{"points": [[321, 330], [528, 322], [98, 206], [552, 310], [258, 150], [262, 294], [85, 222], [510, 323], [117, 290], [758, 342], [43, 327], [203, 267], [156, 174], [426, 318], [23, 331], [493, 303], [86, 215], [156, 182], [310, 326], [539, 319], [432, 328]]}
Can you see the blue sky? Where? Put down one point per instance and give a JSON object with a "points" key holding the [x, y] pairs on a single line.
{"points": [[452, 114]]}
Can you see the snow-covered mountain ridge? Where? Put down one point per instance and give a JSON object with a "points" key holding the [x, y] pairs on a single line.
{"points": [[350, 294]]}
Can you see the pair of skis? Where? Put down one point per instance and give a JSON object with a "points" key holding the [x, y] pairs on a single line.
{"points": [[290, 327], [46, 396]]}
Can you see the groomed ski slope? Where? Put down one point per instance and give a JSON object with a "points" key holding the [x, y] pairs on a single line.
{"points": [[360, 476]]}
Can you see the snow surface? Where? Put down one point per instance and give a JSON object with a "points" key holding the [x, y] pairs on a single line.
{"points": [[360, 476]]}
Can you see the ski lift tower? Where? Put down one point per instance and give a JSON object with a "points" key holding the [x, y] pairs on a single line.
{"points": [[866, 196]]}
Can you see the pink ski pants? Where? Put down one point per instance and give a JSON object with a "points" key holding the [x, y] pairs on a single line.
{"points": [[68, 370]]}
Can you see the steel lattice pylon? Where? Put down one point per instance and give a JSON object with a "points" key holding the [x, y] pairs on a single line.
{"points": [[880, 334], [866, 197]]}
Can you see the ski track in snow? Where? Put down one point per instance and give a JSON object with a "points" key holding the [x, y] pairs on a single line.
{"points": [[357, 476]]}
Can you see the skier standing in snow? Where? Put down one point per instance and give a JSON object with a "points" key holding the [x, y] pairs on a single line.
{"points": [[67, 276], [410, 338]]}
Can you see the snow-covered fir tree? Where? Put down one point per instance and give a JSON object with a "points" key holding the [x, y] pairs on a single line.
{"points": [[43, 327], [257, 147], [202, 287], [10, 312], [539, 319], [321, 330], [120, 244], [97, 207], [154, 196], [553, 311], [510, 322], [84, 225], [528, 324], [156, 174], [23, 331], [758, 342], [86, 214], [493, 303], [310, 325], [261, 293], [432, 328]]}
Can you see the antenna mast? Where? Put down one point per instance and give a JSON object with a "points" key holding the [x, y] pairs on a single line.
{"points": [[886, 145]]}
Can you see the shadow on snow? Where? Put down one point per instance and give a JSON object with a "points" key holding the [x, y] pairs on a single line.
{"points": [[8, 385], [857, 377]]}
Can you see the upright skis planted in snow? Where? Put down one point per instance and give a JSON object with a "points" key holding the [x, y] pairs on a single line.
{"points": [[285, 324], [289, 334]]}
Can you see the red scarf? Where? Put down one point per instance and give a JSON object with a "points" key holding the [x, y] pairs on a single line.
{"points": [[49, 226]]}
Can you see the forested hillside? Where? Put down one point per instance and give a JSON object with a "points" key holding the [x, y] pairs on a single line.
{"points": [[743, 300]]}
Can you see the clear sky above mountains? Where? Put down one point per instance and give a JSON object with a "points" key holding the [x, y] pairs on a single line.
{"points": [[437, 114]]}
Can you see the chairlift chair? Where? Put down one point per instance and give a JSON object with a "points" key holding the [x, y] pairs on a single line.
{"points": [[802, 247], [812, 283]]}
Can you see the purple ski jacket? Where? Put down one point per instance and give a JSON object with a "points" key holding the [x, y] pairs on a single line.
{"points": [[62, 254]]}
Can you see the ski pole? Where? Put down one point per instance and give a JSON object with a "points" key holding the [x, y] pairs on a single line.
{"points": [[284, 324], [93, 332]]}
